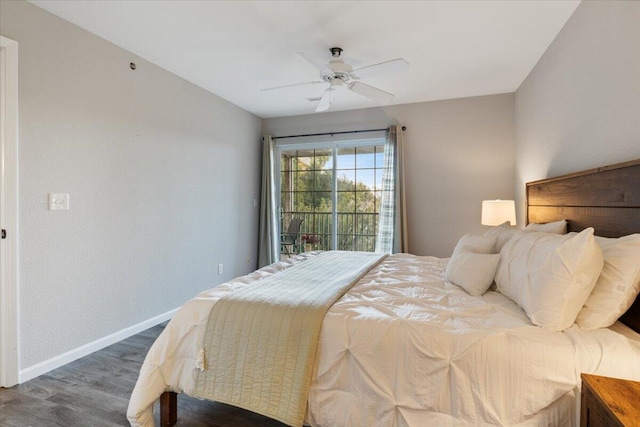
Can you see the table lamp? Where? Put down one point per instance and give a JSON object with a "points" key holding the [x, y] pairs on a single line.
{"points": [[496, 212]]}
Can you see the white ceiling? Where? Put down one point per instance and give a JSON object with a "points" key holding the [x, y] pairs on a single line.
{"points": [[236, 48]]}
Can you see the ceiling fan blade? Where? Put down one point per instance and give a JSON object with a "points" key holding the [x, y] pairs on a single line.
{"points": [[388, 67], [293, 85], [325, 101], [317, 63], [371, 92]]}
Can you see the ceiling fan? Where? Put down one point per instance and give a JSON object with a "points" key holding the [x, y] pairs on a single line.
{"points": [[342, 75]]}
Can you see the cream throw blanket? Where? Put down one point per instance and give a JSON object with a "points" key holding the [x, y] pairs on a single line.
{"points": [[260, 342]]}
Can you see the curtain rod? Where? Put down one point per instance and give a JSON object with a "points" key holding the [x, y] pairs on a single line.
{"points": [[334, 133]]}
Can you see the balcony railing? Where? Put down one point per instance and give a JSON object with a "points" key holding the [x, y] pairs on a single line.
{"points": [[355, 231]]}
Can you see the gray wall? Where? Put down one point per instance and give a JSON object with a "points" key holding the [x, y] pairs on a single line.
{"points": [[457, 153], [580, 106], [161, 175]]}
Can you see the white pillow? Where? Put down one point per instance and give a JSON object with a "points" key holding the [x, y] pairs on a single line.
{"points": [[618, 284], [477, 244], [550, 275], [472, 271], [503, 232], [558, 227]]}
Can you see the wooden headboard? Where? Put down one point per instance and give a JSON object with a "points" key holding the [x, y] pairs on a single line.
{"points": [[606, 198]]}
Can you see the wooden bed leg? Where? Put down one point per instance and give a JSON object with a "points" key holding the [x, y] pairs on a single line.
{"points": [[168, 409]]}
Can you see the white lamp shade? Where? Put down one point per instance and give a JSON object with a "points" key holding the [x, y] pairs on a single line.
{"points": [[495, 212]]}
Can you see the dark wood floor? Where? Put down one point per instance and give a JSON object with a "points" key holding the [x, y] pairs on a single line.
{"points": [[94, 392]]}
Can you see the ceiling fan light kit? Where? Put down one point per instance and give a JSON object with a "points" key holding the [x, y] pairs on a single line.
{"points": [[342, 75]]}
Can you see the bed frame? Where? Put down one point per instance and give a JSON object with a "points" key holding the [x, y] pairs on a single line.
{"points": [[606, 198]]}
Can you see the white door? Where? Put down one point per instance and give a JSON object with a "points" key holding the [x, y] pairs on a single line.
{"points": [[8, 212]]}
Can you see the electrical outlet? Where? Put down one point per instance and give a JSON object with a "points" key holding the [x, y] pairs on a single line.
{"points": [[58, 201], [220, 269], [255, 203]]}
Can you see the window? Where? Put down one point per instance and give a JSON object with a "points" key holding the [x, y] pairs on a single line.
{"points": [[336, 190]]}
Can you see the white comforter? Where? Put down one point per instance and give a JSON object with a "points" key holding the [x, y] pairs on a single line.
{"points": [[405, 348]]}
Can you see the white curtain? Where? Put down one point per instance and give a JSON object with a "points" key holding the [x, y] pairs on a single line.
{"points": [[268, 240], [392, 226]]}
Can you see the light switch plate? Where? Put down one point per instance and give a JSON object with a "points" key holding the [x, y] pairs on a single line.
{"points": [[58, 201]]}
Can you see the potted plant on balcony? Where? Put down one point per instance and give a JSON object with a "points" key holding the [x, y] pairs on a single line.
{"points": [[310, 242]]}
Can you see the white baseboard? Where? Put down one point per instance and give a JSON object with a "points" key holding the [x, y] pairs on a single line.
{"points": [[68, 357]]}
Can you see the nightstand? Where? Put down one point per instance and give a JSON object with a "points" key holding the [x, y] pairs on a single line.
{"points": [[609, 402]]}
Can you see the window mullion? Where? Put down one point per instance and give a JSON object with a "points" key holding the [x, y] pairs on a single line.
{"points": [[334, 198]]}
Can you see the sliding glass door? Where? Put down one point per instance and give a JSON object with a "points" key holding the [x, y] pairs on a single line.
{"points": [[329, 195]]}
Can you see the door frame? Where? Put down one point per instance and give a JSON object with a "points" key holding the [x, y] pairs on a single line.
{"points": [[9, 326], [322, 142]]}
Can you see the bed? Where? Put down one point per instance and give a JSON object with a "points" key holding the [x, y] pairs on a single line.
{"points": [[405, 347]]}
